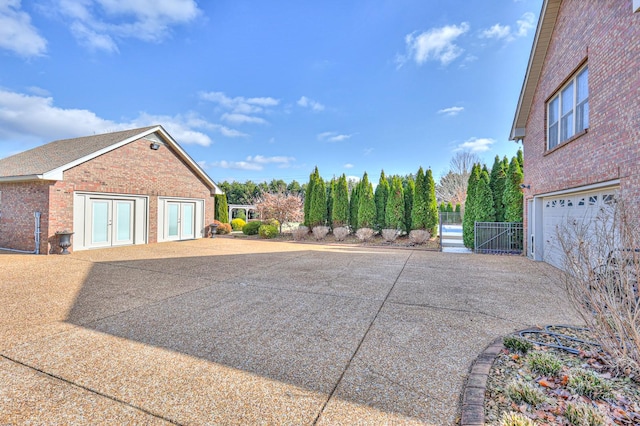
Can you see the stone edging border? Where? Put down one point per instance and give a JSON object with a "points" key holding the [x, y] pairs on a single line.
{"points": [[476, 384]]}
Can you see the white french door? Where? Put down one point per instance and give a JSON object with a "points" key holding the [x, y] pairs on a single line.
{"points": [[112, 222], [180, 220]]}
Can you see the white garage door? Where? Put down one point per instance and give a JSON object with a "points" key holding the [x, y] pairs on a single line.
{"points": [[565, 209]]}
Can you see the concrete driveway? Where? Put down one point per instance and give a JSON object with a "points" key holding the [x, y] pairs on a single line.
{"points": [[230, 331]]}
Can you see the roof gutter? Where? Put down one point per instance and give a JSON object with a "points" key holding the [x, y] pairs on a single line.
{"points": [[25, 178]]}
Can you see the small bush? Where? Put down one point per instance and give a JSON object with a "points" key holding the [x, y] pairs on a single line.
{"points": [[390, 235], [268, 231], [580, 414], [237, 224], [340, 233], [544, 363], [515, 419], [517, 344], [589, 384], [300, 233], [251, 228], [419, 236], [520, 392], [272, 222], [223, 228], [320, 232], [365, 234]]}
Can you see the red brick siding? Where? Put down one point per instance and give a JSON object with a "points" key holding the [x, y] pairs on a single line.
{"points": [[18, 203], [133, 169], [607, 35]]}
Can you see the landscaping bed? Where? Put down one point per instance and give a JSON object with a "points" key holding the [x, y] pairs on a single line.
{"points": [[552, 386]]}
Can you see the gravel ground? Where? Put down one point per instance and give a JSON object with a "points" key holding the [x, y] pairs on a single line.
{"points": [[236, 331]]}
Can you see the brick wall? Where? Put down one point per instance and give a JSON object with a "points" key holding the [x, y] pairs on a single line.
{"points": [[18, 203], [133, 169], [605, 34]]}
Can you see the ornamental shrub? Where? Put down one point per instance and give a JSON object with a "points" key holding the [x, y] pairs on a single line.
{"points": [[223, 228], [320, 232], [237, 224], [390, 235], [222, 208], [365, 234], [340, 233], [251, 228], [419, 236], [300, 233], [267, 231], [272, 222]]}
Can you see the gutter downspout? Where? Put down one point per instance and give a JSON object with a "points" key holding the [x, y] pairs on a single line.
{"points": [[36, 235]]}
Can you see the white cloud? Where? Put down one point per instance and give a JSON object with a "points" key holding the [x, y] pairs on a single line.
{"points": [[16, 32], [242, 119], [526, 23], [36, 118], [256, 162], [497, 31], [451, 111], [98, 24], [348, 166], [310, 103], [237, 165], [241, 110], [505, 32], [437, 44], [476, 145], [333, 137]]}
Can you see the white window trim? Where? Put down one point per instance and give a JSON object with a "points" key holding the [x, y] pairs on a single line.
{"points": [[558, 96]]}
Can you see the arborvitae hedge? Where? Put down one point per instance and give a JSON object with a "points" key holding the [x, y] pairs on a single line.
{"points": [[449, 207], [354, 202], [308, 195], [222, 208], [497, 181], [484, 210], [340, 210], [432, 205], [394, 210], [318, 205], [366, 205], [512, 197], [381, 196], [468, 222], [419, 212], [409, 192]]}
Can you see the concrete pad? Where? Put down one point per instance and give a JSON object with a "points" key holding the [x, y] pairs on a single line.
{"points": [[236, 331]]}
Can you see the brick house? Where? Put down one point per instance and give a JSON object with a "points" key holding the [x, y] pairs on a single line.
{"points": [[578, 116], [131, 187]]}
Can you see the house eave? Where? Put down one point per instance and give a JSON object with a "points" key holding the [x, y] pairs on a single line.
{"points": [[24, 178], [541, 41]]}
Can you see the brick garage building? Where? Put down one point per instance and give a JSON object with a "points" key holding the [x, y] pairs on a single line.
{"points": [[578, 116], [132, 187]]}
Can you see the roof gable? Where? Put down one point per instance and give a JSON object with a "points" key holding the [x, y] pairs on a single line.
{"points": [[541, 41], [50, 161]]}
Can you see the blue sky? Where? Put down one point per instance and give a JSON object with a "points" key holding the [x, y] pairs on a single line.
{"points": [[262, 90]]}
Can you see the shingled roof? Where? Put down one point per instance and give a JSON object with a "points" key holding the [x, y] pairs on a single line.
{"points": [[50, 160]]}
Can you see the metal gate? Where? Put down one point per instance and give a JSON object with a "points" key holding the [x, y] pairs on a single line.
{"points": [[498, 237]]}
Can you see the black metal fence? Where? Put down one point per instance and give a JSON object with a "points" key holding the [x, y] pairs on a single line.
{"points": [[498, 237]]}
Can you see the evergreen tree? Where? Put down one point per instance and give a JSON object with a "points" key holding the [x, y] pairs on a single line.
{"points": [[458, 209], [381, 196], [318, 205], [366, 204], [512, 197], [520, 158], [419, 213], [469, 219], [409, 192], [449, 208], [354, 202], [394, 210], [308, 195], [497, 181], [484, 210], [340, 208], [431, 213], [442, 207], [330, 194], [222, 208]]}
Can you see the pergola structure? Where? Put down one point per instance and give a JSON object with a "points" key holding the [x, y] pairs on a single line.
{"points": [[245, 207]]}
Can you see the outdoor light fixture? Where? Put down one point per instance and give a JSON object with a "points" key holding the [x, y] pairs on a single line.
{"points": [[523, 186], [154, 146]]}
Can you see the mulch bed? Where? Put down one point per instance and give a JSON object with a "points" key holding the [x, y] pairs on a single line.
{"points": [[623, 408]]}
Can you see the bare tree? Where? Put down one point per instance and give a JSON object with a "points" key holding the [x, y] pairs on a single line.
{"points": [[280, 206], [453, 184]]}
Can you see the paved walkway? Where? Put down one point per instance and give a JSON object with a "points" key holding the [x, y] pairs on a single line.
{"points": [[230, 331]]}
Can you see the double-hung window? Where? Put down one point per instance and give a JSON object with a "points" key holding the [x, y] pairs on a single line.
{"points": [[568, 110]]}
